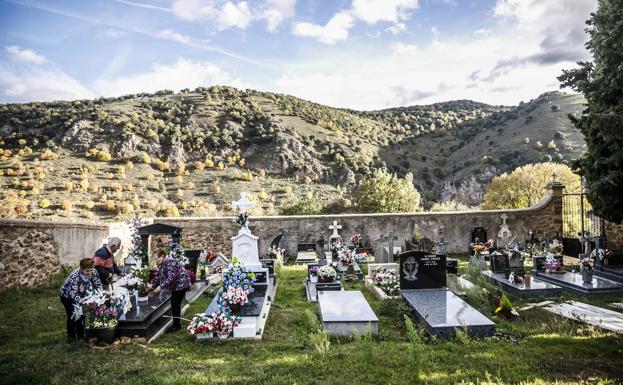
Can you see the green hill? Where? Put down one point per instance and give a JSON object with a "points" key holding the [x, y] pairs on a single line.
{"points": [[192, 151]]}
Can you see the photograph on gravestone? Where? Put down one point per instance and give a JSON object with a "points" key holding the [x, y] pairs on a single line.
{"points": [[420, 270]]}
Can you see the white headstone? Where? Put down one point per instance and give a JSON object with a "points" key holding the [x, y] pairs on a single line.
{"points": [[335, 227], [244, 245], [504, 233]]}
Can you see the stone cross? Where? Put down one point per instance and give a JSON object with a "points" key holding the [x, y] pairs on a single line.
{"points": [[441, 245], [504, 218], [244, 204], [335, 227], [390, 255], [381, 248]]}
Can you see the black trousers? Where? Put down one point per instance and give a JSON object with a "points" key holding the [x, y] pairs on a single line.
{"points": [[75, 329], [176, 306]]}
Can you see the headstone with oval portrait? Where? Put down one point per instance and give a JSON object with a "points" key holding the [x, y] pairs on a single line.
{"points": [[422, 270]]}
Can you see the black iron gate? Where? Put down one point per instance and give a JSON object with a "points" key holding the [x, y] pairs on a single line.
{"points": [[578, 218]]}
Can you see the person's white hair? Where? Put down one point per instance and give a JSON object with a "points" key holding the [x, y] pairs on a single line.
{"points": [[114, 241]]}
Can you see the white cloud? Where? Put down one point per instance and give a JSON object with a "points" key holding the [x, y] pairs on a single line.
{"points": [[174, 36], [276, 11], [234, 16], [335, 30], [373, 11], [193, 9], [20, 55], [40, 85], [397, 28], [182, 74], [112, 33], [399, 48], [482, 31]]}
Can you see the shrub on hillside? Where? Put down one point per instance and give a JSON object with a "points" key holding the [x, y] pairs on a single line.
{"points": [[387, 193]]}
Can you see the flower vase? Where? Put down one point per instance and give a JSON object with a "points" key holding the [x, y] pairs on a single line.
{"points": [[342, 266], [235, 307], [223, 335], [313, 278], [325, 280], [105, 334], [203, 336], [587, 277]]}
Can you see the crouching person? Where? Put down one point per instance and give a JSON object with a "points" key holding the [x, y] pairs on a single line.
{"points": [[80, 282]]}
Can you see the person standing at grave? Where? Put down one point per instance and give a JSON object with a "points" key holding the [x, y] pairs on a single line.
{"points": [[77, 285], [173, 278], [104, 259]]}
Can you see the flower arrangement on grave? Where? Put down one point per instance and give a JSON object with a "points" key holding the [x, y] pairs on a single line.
{"points": [[478, 248], [586, 264], [604, 253], [489, 244], [346, 256], [201, 324], [107, 307], [356, 239], [551, 264], [137, 252], [224, 323], [175, 250], [313, 270], [234, 297], [326, 273], [242, 219], [555, 248], [504, 308], [363, 258], [387, 281], [275, 253], [237, 275]]}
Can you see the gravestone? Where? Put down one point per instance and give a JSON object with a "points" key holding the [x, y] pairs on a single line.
{"points": [[306, 253], [498, 262], [478, 235], [281, 242], [420, 270], [381, 254], [244, 245], [504, 233], [345, 313], [516, 264]]}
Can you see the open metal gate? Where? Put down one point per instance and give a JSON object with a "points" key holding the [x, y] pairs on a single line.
{"points": [[578, 218]]}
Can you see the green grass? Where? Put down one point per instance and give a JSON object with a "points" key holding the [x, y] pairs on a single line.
{"points": [[537, 348]]}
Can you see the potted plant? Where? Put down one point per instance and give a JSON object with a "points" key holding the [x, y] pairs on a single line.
{"points": [[504, 308], [202, 326], [586, 268], [326, 274], [234, 297], [105, 307], [346, 257], [313, 274], [387, 281], [555, 248], [552, 265]]}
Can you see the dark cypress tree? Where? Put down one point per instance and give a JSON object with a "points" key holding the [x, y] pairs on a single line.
{"points": [[601, 82]]}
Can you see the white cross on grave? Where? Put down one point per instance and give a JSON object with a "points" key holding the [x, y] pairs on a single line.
{"points": [[244, 204], [504, 217], [335, 227]]}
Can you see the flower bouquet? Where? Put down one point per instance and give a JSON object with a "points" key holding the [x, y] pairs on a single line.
{"points": [[202, 325], [242, 219], [105, 308], [346, 256], [238, 276], [326, 273], [224, 323], [276, 253], [387, 281], [504, 308], [479, 248], [234, 297], [552, 265], [555, 248], [356, 239], [313, 274]]}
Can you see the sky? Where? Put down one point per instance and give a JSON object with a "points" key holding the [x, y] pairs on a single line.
{"points": [[359, 54]]}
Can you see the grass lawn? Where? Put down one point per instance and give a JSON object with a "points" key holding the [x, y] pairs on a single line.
{"points": [[537, 348]]}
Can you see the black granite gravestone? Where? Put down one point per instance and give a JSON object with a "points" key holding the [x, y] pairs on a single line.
{"points": [[516, 265], [452, 266], [193, 259], [478, 234], [420, 270], [498, 262], [539, 262], [268, 264]]}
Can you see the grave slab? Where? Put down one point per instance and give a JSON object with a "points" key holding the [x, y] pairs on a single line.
{"points": [[614, 273], [346, 312], [442, 312], [536, 287], [312, 289], [572, 282], [593, 315]]}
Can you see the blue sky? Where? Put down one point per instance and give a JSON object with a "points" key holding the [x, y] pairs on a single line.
{"points": [[362, 54]]}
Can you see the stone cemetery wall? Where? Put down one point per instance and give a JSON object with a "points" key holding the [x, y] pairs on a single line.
{"points": [[32, 251], [454, 227]]}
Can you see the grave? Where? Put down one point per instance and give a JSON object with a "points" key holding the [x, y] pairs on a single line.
{"points": [[423, 288], [254, 314], [345, 313], [312, 288], [477, 235], [593, 315], [572, 281], [369, 281], [608, 266], [504, 233], [306, 253], [281, 242]]}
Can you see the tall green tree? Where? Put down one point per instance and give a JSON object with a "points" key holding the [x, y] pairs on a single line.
{"points": [[601, 82], [387, 193]]}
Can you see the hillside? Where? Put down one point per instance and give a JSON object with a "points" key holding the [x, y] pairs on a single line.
{"points": [[191, 152]]}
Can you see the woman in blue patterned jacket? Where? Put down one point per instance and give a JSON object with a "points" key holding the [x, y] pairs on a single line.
{"points": [[79, 283], [174, 278]]}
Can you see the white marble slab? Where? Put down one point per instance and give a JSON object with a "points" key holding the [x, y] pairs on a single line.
{"points": [[593, 315], [344, 306], [305, 256]]}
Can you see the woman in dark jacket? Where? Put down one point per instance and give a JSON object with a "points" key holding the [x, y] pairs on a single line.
{"points": [[78, 284], [173, 278]]}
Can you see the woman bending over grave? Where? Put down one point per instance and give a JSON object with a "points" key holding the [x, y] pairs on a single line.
{"points": [[172, 278], [80, 282]]}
